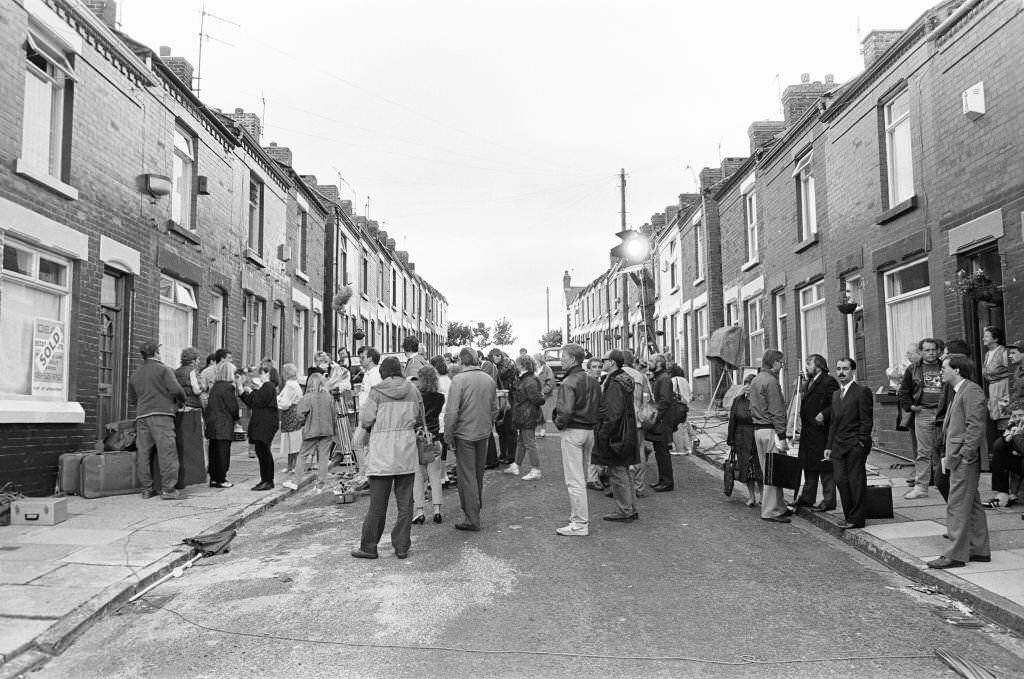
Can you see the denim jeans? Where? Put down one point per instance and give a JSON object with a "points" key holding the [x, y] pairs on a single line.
{"points": [[377, 513], [526, 447], [924, 426], [576, 447]]}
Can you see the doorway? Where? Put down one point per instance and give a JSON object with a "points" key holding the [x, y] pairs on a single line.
{"points": [[111, 404]]}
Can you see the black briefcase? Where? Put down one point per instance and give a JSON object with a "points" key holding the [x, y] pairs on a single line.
{"points": [[782, 470], [879, 502]]}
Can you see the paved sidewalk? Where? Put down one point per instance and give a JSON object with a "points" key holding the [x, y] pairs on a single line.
{"points": [[914, 535], [54, 580]]}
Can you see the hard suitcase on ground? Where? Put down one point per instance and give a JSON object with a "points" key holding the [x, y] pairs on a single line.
{"points": [[39, 511], [879, 502], [69, 471], [108, 473]]}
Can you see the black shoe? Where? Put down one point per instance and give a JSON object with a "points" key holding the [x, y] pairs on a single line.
{"points": [[777, 519], [437, 517], [624, 518], [491, 466], [789, 512], [401, 555], [148, 493], [263, 485], [419, 519], [821, 508], [945, 562], [594, 485], [467, 526], [609, 494], [360, 554], [981, 559], [663, 488]]}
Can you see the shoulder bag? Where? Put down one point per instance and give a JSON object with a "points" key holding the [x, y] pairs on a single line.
{"points": [[729, 473], [648, 414], [426, 447]]}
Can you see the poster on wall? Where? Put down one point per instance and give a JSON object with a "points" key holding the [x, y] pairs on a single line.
{"points": [[48, 351]]}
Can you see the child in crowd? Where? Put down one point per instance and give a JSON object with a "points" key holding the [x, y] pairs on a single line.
{"points": [[318, 408]]}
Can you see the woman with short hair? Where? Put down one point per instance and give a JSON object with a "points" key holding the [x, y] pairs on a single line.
{"points": [[291, 421]]}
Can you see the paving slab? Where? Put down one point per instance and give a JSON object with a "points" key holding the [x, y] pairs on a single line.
{"points": [[74, 574], [16, 633], [1009, 584], [21, 572], [909, 529], [43, 602], [33, 552], [61, 535]]}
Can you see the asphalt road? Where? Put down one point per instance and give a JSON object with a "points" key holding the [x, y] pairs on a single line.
{"points": [[698, 587]]}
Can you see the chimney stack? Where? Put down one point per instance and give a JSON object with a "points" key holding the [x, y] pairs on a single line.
{"points": [[731, 165], [346, 206], [566, 281], [876, 43], [179, 66], [762, 133], [282, 154], [796, 99], [709, 176], [329, 192], [106, 10], [250, 122]]}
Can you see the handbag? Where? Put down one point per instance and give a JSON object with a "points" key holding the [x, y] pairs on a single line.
{"points": [[782, 471], [120, 436], [426, 447], [729, 473], [291, 420], [648, 415]]}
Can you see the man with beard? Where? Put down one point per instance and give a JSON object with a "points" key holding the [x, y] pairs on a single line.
{"points": [[615, 444], [815, 419]]}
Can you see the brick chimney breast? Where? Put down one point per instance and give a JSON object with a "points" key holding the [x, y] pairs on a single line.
{"points": [[731, 165], [179, 66], [709, 176], [250, 122], [106, 10], [762, 133], [796, 99], [329, 192], [281, 154], [876, 43], [346, 206]]}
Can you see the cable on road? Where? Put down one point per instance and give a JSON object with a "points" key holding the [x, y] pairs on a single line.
{"points": [[743, 659]]}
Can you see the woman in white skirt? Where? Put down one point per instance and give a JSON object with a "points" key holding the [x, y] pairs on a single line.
{"points": [[291, 421]]}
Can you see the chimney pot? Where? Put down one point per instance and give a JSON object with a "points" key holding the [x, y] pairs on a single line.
{"points": [[165, 51], [239, 110], [273, 143], [830, 79], [805, 77]]}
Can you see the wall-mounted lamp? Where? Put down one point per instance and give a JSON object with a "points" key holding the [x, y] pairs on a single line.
{"points": [[156, 185]]}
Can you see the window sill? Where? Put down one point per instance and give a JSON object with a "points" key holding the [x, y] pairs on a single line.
{"points": [[702, 372], [698, 281], [34, 411], [364, 296], [301, 276], [897, 210], [747, 266], [255, 258], [176, 228], [41, 176], [806, 243]]}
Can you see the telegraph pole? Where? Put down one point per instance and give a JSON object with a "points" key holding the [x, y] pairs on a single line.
{"points": [[625, 277]]}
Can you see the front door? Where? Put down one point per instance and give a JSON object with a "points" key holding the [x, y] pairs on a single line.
{"points": [[111, 404]]}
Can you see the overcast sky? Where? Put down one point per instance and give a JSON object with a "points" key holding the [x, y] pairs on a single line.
{"points": [[488, 135]]}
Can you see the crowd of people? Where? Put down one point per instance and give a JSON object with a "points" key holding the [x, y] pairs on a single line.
{"points": [[955, 412], [615, 417]]}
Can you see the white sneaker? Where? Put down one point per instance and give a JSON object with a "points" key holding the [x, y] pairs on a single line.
{"points": [[915, 493], [532, 475], [511, 469], [290, 484], [573, 529]]}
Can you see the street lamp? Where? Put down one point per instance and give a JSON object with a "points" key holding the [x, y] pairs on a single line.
{"points": [[634, 248]]}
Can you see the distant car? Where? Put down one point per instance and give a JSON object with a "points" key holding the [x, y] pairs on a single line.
{"points": [[553, 357]]}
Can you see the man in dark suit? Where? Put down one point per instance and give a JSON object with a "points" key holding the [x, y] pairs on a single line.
{"points": [[815, 420], [963, 432], [849, 442]]}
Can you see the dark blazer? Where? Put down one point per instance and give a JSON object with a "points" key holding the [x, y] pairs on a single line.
{"points": [[814, 436], [221, 412], [264, 420], [852, 421], [615, 440]]}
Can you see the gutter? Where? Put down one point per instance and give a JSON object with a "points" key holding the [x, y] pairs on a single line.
{"points": [[957, 14]]}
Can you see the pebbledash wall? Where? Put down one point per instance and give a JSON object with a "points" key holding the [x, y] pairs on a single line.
{"points": [[97, 257], [916, 169]]}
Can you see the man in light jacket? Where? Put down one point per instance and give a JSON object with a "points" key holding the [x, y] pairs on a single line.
{"points": [[470, 410], [576, 416]]}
